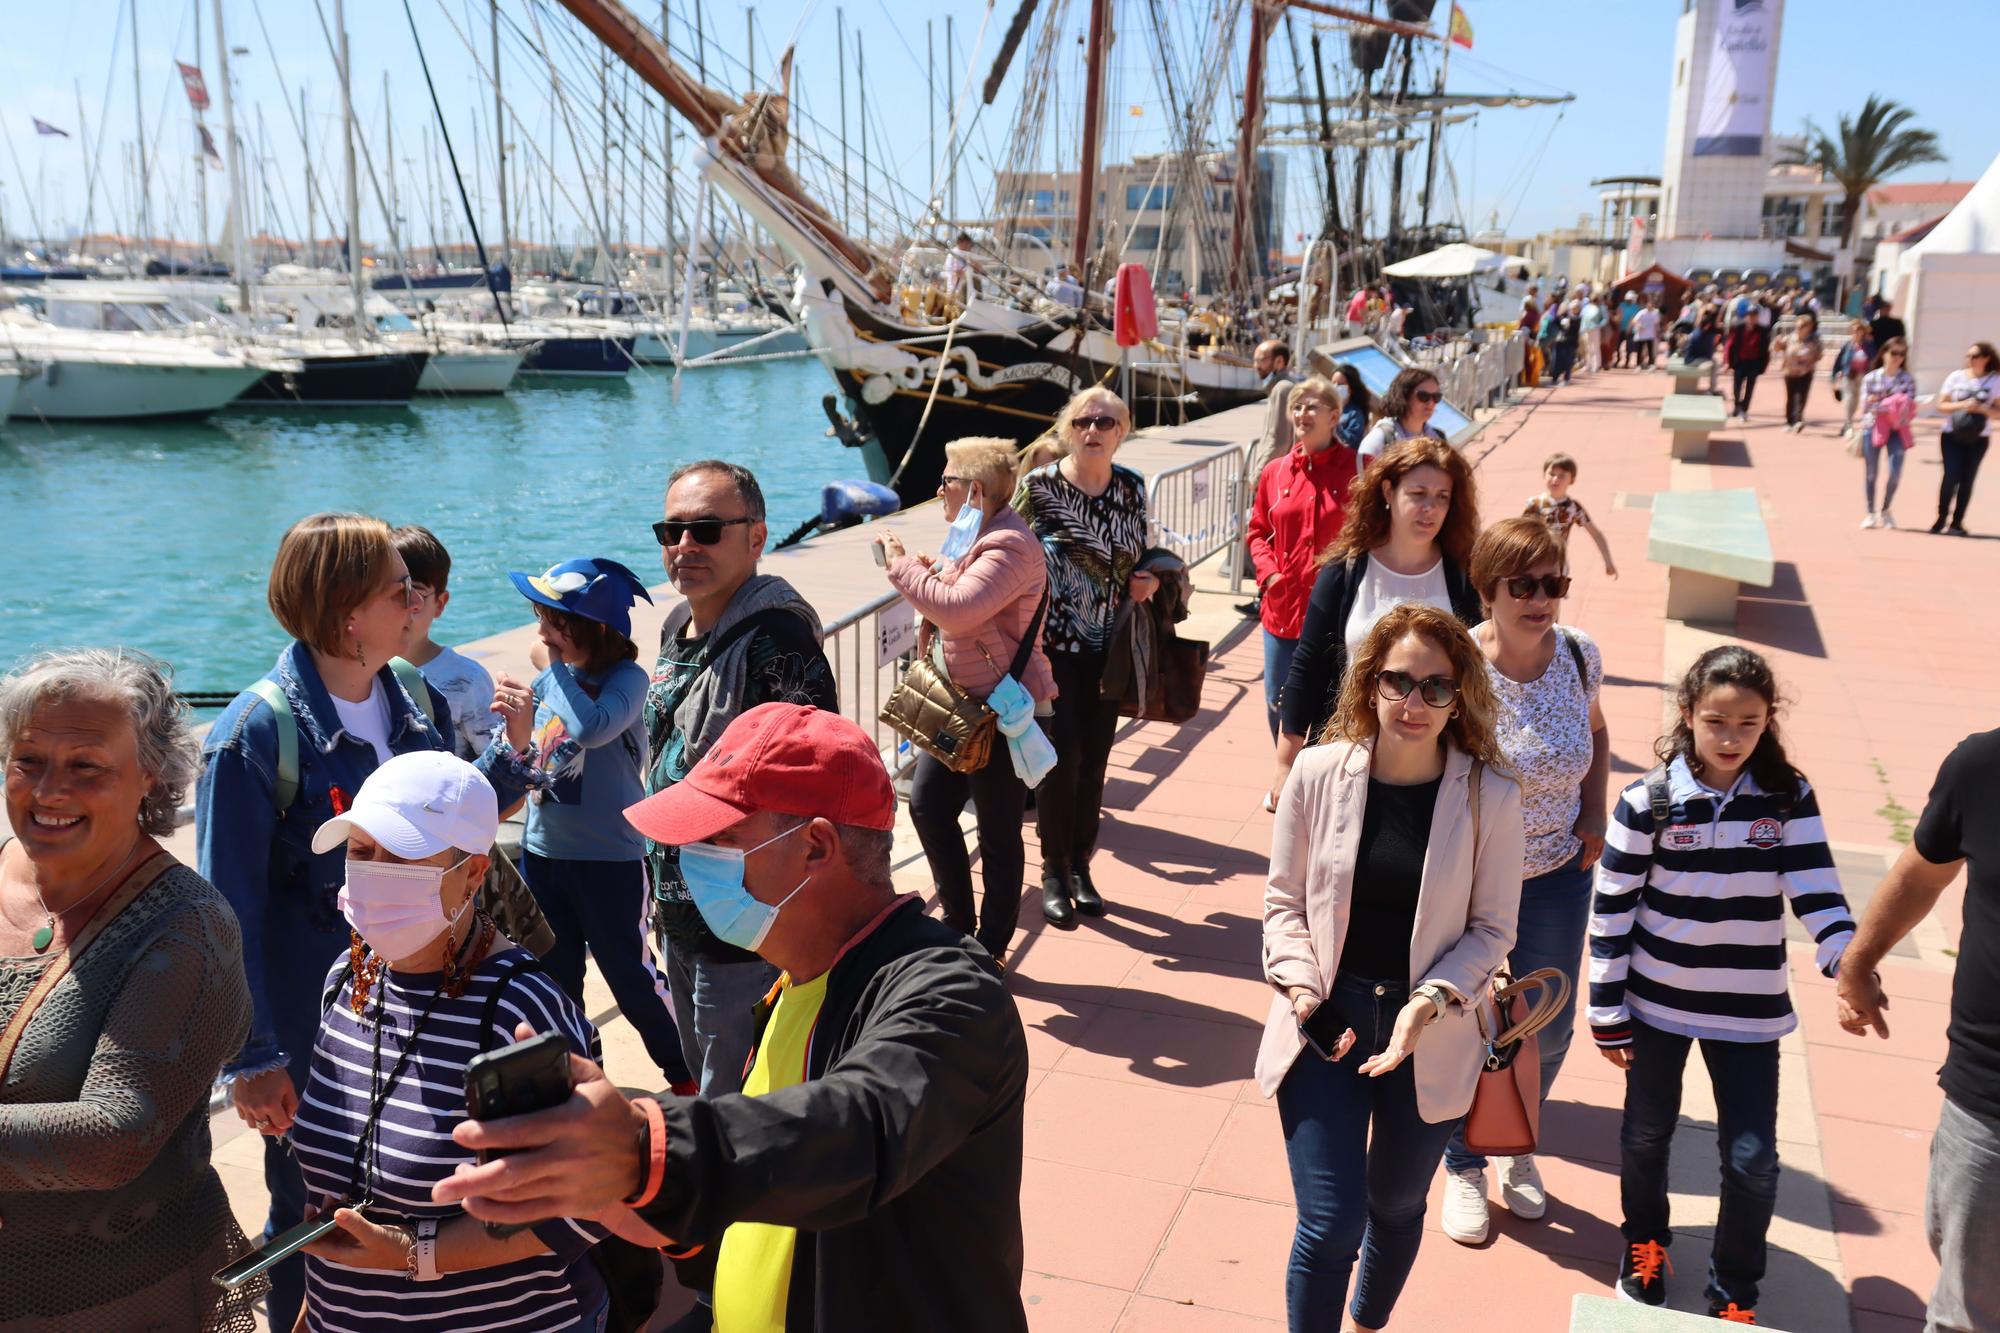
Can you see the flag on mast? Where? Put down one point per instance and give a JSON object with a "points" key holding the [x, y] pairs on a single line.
{"points": [[43, 127], [1461, 27], [208, 148], [197, 89]]}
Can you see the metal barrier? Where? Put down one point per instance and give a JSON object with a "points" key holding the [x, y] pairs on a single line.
{"points": [[867, 649], [1199, 507]]}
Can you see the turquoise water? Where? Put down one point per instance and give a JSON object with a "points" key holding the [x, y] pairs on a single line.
{"points": [[160, 536]]}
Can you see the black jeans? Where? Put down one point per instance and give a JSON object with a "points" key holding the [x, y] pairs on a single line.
{"points": [[1562, 362], [1745, 1076], [1796, 389], [999, 799], [1746, 380], [1070, 801], [1962, 457]]}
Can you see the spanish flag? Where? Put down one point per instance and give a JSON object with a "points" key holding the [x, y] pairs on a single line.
{"points": [[1461, 27]]}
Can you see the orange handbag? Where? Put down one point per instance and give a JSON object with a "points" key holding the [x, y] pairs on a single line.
{"points": [[1505, 1119]]}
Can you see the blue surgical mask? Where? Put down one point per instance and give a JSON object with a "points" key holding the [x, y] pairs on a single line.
{"points": [[964, 531], [714, 876]]}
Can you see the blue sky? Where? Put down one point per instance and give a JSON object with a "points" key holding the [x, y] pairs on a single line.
{"points": [[1530, 167]]}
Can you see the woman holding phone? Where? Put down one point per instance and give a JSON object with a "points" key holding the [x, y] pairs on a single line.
{"points": [[428, 984], [1395, 880]]}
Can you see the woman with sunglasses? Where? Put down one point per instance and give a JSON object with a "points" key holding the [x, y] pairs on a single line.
{"points": [[1395, 880], [1975, 392], [1552, 736], [1090, 515], [1411, 519], [1406, 413]]}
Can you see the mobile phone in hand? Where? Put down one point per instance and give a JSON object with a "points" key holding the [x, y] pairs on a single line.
{"points": [[531, 1075], [1322, 1029], [275, 1250], [881, 553]]}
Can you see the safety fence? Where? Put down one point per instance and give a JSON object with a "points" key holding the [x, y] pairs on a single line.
{"points": [[1475, 375], [1198, 507], [867, 650]]}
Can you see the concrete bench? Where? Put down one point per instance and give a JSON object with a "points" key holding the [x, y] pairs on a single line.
{"points": [[1711, 542], [1691, 416], [1605, 1314], [1689, 376]]}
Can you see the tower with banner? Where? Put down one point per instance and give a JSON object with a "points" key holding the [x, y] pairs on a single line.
{"points": [[1719, 146]]}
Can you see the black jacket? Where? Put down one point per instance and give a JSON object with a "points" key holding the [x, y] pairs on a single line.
{"points": [[898, 1159], [1311, 691]]}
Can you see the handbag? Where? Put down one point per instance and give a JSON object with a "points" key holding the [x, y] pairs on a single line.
{"points": [[1506, 1114], [931, 711]]}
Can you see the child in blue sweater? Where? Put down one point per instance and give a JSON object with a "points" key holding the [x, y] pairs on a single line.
{"points": [[580, 729], [1687, 944]]}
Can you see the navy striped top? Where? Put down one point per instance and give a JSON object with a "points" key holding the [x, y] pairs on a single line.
{"points": [[1687, 931], [415, 1150]]}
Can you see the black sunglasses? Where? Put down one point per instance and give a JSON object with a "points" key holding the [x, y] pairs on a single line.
{"points": [[949, 479], [1521, 587], [1428, 396], [1437, 691], [1095, 423], [706, 531]]}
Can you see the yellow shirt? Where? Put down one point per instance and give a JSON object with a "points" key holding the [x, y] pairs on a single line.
{"points": [[753, 1274]]}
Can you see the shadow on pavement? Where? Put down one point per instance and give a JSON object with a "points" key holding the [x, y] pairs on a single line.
{"points": [[1780, 616]]}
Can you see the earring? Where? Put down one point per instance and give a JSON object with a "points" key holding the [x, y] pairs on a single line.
{"points": [[366, 968]]}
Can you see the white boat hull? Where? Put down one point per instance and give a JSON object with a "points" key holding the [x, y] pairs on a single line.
{"points": [[10, 387], [470, 372], [85, 390]]}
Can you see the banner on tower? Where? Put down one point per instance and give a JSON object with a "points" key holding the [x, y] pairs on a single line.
{"points": [[197, 90], [1736, 100]]}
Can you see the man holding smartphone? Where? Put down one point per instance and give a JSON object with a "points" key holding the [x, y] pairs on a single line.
{"points": [[869, 1174]]}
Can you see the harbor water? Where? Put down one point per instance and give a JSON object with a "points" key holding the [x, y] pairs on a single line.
{"points": [[159, 536]]}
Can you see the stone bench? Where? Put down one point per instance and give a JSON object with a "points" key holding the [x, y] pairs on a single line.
{"points": [[1605, 1314], [1711, 542], [1691, 416], [1689, 376]]}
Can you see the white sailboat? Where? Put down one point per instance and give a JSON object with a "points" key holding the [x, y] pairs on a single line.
{"points": [[82, 374]]}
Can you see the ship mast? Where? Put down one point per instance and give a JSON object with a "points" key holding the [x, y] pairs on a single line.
{"points": [[1261, 22], [1097, 43]]}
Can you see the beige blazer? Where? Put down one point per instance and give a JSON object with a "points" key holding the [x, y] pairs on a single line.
{"points": [[1467, 906]]}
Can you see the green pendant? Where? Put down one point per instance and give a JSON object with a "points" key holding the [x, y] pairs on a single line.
{"points": [[44, 937]]}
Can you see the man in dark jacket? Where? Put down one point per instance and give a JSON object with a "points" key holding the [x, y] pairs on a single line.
{"points": [[869, 1174]]}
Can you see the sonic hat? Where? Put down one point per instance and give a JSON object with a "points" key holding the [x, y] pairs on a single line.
{"points": [[600, 589]]}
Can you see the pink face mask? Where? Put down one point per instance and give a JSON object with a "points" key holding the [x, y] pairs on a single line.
{"points": [[398, 909]]}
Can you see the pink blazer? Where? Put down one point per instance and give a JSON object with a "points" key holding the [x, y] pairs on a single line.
{"points": [[1467, 907], [984, 602]]}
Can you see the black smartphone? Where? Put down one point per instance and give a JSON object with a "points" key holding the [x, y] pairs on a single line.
{"points": [[280, 1247], [530, 1075], [1322, 1029]]}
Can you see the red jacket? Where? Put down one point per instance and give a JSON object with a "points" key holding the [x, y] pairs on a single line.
{"points": [[1300, 504]]}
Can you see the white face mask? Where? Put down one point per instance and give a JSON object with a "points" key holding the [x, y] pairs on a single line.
{"points": [[396, 908]]}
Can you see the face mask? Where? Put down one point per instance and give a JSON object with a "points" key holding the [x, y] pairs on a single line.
{"points": [[714, 876], [964, 530], [398, 909]]}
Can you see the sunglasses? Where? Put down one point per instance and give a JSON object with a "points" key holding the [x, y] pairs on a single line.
{"points": [[949, 479], [1095, 423], [1521, 587], [1436, 691], [1428, 396], [705, 531]]}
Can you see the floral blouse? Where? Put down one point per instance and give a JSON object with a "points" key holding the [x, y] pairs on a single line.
{"points": [[1092, 543], [1543, 727]]}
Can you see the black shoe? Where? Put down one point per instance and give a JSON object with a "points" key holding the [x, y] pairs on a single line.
{"points": [[1088, 900], [1958, 530], [1055, 899], [1642, 1273], [1939, 525]]}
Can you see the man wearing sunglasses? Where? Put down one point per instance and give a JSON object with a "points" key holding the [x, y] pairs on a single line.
{"points": [[739, 639]]}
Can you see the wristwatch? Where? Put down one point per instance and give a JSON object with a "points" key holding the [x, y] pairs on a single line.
{"points": [[1436, 995], [424, 1255]]}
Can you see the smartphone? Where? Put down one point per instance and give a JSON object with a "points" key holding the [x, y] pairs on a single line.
{"points": [[530, 1075], [1322, 1029], [881, 553], [275, 1250]]}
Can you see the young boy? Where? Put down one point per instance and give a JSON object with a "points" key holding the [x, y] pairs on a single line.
{"points": [[1555, 508], [464, 683]]}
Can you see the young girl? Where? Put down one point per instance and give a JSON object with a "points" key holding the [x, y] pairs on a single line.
{"points": [[580, 730], [1889, 391], [1687, 943]]}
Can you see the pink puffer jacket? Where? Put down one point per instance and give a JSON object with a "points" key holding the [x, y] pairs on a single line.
{"points": [[984, 601]]}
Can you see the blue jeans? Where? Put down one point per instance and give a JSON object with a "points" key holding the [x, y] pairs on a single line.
{"points": [[1871, 461], [1356, 1195], [603, 906], [1745, 1075], [1277, 665], [713, 1002], [1555, 918]]}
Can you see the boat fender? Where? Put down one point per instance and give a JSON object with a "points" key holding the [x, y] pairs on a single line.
{"points": [[847, 502]]}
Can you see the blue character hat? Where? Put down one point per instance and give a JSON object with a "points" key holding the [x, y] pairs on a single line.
{"points": [[599, 589]]}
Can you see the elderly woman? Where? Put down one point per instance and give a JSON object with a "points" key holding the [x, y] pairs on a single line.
{"points": [[121, 994], [1090, 515], [1545, 679], [429, 982], [1406, 413], [288, 754], [983, 603], [1395, 877]]}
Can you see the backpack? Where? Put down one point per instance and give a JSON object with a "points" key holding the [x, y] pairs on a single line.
{"points": [[286, 789]]}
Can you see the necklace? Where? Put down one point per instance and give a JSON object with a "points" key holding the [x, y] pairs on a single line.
{"points": [[45, 934]]}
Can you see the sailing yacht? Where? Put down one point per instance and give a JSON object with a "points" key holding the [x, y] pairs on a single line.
{"points": [[123, 368]]}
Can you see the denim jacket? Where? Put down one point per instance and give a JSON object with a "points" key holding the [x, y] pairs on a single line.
{"points": [[261, 858]]}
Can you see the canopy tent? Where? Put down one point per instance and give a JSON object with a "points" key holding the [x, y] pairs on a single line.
{"points": [[1669, 287], [1949, 283], [1457, 260]]}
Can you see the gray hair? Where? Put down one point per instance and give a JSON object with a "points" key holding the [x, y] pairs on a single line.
{"points": [[868, 852], [143, 686]]}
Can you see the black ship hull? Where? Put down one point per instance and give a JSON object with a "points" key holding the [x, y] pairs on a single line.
{"points": [[387, 380], [596, 358]]}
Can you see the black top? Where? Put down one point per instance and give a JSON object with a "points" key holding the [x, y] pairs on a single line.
{"points": [[1313, 687], [1958, 822], [1388, 871], [1884, 327]]}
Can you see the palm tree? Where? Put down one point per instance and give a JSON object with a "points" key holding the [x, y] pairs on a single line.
{"points": [[1868, 149]]}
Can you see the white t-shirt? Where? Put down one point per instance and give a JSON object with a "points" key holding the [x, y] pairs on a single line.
{"points": [[1382, 588], [1385, 432], [367, 720], [468, 691], [1959, 386], [1646, 325]]}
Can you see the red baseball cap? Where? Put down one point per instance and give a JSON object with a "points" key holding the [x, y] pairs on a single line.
{"points": [[792, 759]]}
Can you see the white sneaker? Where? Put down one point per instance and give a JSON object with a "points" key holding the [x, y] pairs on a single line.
{"points": [[1888, 519], [1521, 1191], [1869, 521], [1466, 1218]]}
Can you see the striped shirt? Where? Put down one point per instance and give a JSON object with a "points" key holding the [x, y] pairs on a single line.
{"points": [[1687, 931], [415, 1150]]}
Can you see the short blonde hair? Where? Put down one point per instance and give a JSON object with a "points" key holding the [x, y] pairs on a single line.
{"points": [[984, 460], [327, 565], [1083, 398], [1320, 387]]}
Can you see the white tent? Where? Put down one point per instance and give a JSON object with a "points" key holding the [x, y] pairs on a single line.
{"points": [[1948, 292], [1457, 260]]}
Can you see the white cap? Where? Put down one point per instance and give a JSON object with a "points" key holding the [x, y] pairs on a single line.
{"points": [[418, 804]]}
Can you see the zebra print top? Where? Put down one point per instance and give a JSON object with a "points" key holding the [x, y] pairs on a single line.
{"points": [[1092, 543]]}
